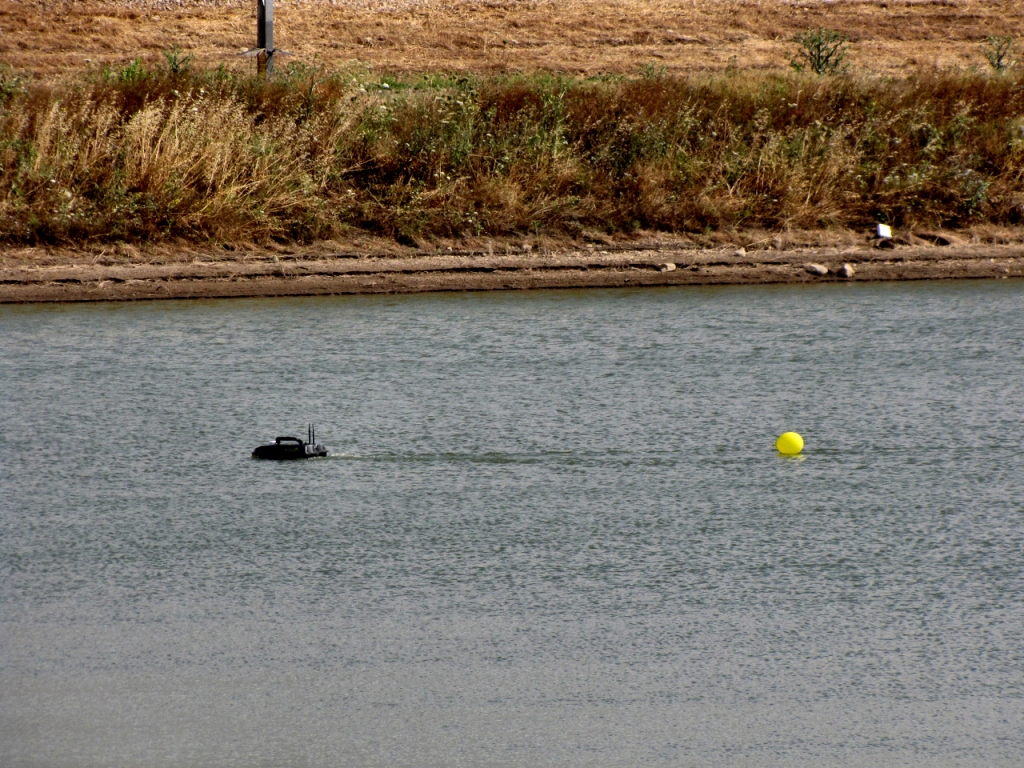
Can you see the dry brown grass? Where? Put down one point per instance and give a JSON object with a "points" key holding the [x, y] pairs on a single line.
{"points": [[582, 37], [718, 134], [140, 155]]}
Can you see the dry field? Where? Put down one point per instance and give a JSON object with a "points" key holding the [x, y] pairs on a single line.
{"points": [[583, 37]]}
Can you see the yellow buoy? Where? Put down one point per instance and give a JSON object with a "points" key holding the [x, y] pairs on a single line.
{"points": [[789, 444]]}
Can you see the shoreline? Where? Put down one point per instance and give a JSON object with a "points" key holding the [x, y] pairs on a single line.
{"points": [[570, 268]]}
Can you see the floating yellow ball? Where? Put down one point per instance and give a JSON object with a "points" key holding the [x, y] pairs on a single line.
{"points": [[789, 444]]}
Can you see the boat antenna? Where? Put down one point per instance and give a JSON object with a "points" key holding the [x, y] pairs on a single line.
{"points": [[309, 433], [313, 427]]}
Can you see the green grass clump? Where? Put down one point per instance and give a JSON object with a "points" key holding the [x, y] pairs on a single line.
{"points": [[175, 152]]}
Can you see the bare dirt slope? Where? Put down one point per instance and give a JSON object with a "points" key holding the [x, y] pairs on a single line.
{"points": [[573, 36]]}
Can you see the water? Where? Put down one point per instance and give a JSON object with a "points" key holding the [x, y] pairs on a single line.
{"points": [[553, 531]]}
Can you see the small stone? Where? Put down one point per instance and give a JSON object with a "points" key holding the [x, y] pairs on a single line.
{"points": [[816, 269], [884, 230], [846, 270], [668, 266], [740, 253]]}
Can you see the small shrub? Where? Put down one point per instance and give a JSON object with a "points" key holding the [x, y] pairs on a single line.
{"points": [[176, 63], [134, 72], [823, 51], [998, 52], [650, 71], [10, 84]]}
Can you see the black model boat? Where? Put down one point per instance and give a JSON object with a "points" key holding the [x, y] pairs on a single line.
{"points": [[291, 448]]}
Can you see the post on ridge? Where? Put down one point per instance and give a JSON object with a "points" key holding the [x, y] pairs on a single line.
{"points": [[265, 37]]}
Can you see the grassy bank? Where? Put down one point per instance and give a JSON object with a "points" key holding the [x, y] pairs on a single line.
{"points": [[163, 153]]}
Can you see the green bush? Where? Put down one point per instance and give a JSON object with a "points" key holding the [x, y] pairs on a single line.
{"points": [[823, 51], [176, 63], [998, 52]]}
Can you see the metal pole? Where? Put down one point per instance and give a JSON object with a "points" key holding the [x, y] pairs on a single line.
{"points": [[265, 36]]}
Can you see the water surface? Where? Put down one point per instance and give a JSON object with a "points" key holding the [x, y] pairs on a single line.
{"points": [[552, 530]]}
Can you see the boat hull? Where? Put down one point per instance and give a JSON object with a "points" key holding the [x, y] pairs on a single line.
{"points": [[284, 449]]}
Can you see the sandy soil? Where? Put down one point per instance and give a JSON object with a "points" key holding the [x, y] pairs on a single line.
{"points": [[49, 37], [637, 265]]}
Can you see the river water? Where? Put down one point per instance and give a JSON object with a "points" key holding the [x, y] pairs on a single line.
{"points": [[552, 530]]}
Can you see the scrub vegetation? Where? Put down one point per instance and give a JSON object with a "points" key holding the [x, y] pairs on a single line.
{"points": [[166, 152]]}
